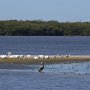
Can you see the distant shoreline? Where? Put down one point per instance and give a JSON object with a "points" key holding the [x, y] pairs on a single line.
{"points": [[43, 28], [48, 59]]}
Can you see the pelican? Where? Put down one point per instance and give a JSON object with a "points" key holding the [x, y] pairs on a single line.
{"points": [[41, 67]]}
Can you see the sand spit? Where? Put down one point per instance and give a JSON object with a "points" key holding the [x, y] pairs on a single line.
{"points": [[31, 59]]}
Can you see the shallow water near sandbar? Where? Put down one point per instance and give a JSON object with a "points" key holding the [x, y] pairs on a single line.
{"points": [[63, 76], [73, 68]]}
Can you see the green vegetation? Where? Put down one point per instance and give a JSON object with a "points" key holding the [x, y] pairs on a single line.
{"points": [[43, 28]]}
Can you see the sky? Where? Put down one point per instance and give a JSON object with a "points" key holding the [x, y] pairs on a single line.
{"points": [[59, 10]]}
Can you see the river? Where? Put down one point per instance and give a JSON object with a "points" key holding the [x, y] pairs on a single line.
{"points": [[61, 76]]}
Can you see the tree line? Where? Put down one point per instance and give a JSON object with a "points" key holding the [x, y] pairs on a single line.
{"points": [[43, 28]]}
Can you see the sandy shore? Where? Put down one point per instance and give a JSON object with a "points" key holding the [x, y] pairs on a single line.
{"points": [[50, 59]]}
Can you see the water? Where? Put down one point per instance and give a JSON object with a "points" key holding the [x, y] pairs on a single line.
{"points": [[45, 45], [63, 76], [69, 68], [40, 81]]}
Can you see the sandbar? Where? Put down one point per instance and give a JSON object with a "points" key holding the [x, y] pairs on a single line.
{"points": [[34, 59]]}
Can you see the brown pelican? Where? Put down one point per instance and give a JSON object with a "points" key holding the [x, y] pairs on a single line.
{"points": [[41, 67]]}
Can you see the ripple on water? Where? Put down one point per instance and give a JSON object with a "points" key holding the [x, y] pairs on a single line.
{"points": [[50, 78]]}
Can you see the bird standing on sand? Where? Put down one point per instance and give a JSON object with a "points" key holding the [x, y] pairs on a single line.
{"points": [[41, 67]]}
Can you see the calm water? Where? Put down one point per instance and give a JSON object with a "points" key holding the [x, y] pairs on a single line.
{"points": [[63, 76], [70, 76], [45, 45]]}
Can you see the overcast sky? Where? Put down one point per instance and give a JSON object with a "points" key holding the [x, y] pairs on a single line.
{"points": [[60, 10]]}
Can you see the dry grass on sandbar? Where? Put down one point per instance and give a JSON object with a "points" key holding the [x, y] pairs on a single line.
{"points": [[57, 59]]}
